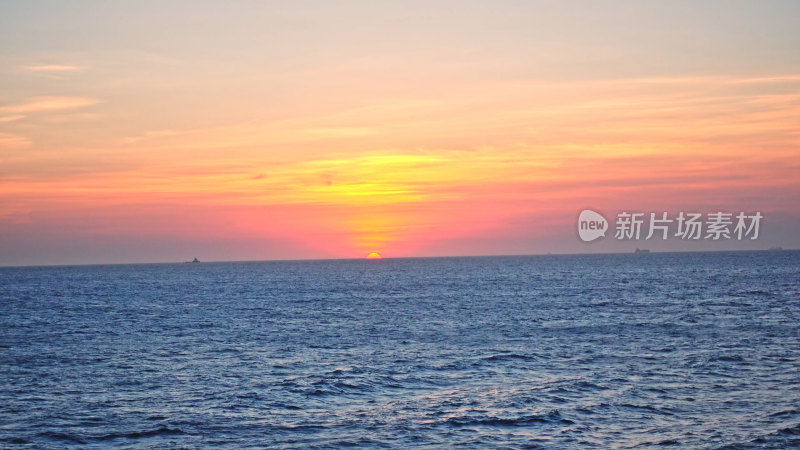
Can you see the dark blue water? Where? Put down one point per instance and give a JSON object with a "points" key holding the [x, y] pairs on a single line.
{"points": [[699, 350]]}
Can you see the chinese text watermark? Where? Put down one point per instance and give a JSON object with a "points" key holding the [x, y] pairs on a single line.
{"points": [[685, 226]]}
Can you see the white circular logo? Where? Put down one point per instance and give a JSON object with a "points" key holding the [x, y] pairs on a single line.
{"points": [[591, 225]]}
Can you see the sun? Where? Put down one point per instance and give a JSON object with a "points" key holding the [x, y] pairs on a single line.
{"points": [[374, 255]]}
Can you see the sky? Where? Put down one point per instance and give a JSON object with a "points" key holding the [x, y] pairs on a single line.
{"points": [[153, 131]]}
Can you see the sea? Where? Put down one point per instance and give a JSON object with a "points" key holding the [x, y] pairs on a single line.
{"points": [[697, 350]]}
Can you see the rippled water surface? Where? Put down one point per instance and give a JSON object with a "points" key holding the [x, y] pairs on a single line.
{"points": [[698, 350]]}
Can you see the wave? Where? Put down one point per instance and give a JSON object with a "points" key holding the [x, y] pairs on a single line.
{"points": [[531, 419], [509, 357], [787, 437], [76, 439], [645, 408], [664, 443], [727, 358], [787, 412], [162, 431], [64, 437], [789, 431]]}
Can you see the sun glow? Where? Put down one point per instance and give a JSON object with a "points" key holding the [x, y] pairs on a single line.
{"points": [[374, 255]]}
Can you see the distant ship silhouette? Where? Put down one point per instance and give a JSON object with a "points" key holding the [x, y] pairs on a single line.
{"points": [[641, 250], [195, 260]]}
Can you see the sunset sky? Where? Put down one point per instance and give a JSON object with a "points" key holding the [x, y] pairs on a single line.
{"points": [[162, 131]]}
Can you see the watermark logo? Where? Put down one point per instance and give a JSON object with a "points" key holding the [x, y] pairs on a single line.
{"points": [[591, 225], [685, 226]]}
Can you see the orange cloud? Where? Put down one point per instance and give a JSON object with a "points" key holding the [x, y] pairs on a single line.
{"points": [[13, 140], [53, 68], [40, 104]]}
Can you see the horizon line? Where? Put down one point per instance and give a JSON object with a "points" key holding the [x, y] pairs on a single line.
{"points": [[394, 257]]}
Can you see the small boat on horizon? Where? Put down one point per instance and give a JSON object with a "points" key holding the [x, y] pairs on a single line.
{"points": [[641, 250]]}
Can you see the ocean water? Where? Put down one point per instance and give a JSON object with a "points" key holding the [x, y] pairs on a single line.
{"points": [[694, 350]]}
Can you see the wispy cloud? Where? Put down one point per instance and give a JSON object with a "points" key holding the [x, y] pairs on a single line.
{"points": [[13, 140], [38, 104], [11, 118], [152, 134], [53, 68]]}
